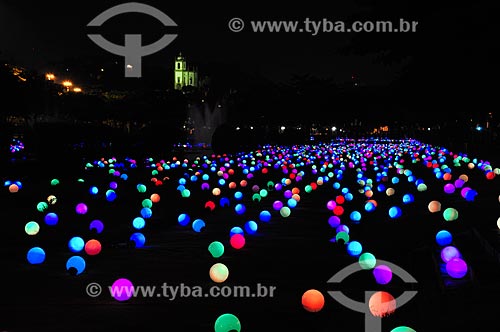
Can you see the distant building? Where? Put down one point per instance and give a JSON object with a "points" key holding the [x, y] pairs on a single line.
{"points": [[185, 74]]}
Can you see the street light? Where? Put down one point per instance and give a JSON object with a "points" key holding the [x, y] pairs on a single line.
{"points": [[67, 85]]}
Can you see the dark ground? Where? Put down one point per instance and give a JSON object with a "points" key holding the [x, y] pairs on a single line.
{"points": [[293, 254]]}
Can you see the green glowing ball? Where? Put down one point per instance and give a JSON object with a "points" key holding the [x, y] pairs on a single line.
{"points": [[227, 323], [403, 329], [185, 193], [344, 236], [367, 261], [263, 192], [141, 188], [54, 182], [256, 197], [285, 211], [42, 206], [450, 214], [308, 189], [216, 249], [147, 203]]}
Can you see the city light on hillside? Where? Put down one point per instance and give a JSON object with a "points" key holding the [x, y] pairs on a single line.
{"points": [[50, 77]]}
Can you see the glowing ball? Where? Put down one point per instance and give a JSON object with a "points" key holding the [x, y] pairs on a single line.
{"points": [[210, 205], [237, 241], [443, 238], [382, 304], [52, 199], [183, 219], [459, 183], [256, 197], [449, 252], [240, 209], [147, 203], [464, 177], [216, 191], [355, 216], [449, 188], [251, 227], [382, 274], [390, 191], [395, 212], [470, 195], [236, 230], [216, 249], [354, 248], [218, 272], [498, 223], [110, 195], [122, 289], [155, 198], [292, 202], [146, 213], [367, 261], [277, 205], [54, 182], [403, 329], [408, 198], [42, 206], [96, 225], [227, 323], [138, 223], [185, 193], [338, 210], [36, 255], [141, 188], [330, 205], [285, 211], [342, 236], [450, 214], [76, 264], [13, 188], [422, 187], [224, 201], [456, 268], [32, 228], [138, 239], [265, 216], [76, 244], [434, 206], [51, 219], [313, 300], [198, 225], [93, 247]]}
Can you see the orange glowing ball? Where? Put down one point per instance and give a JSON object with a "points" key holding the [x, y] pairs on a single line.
{"points": [[288, 182], [155, 198], [369, 193], [93, 247], [296, 197], [313, 300], [232, 185], [13, 188], [295, 190], [382, 304], [447, 176], [243, 183], [434, 206], [464, 177], [372, 201]]}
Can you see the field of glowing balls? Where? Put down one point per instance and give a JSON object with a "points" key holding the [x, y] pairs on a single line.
{"points": [[354, 191]]}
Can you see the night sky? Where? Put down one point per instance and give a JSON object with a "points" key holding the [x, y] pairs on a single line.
{"points": [[454, 50]]}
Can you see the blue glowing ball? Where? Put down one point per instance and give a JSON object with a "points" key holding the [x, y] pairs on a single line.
{"points": [[51, 219], [146, 213], [291, 203], [36, 255], [138, 223], [198, 225], [443, 238], [355, 216], [408, 198], [224, 201], [76, 244], [354, 248], [395, 212], [240, 208], [369, 206], [251, 227], [77, 263], [139, 239], [110, 195], [265, 216], [183, 219], [238, 195], [236, 230], [94, 190]]}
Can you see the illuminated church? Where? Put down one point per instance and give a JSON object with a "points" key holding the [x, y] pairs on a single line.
{"points": [[184, 74]]}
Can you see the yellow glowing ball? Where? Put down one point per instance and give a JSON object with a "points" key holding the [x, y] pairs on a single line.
{"points": [[219, 273], [52, 199], [434, 206], [464, 177], [390, 191], [216, 191], [471, 165], [498, 223]]}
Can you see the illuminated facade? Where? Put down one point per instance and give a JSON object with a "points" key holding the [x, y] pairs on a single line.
{"points": [[184, 74]]}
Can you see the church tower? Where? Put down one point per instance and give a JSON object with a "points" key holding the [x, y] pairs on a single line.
{"points": [[184, 74]]}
